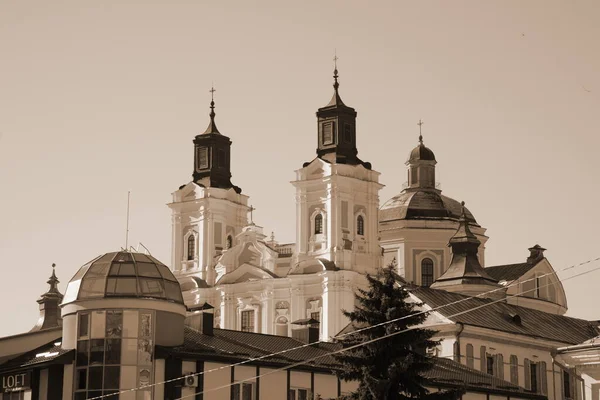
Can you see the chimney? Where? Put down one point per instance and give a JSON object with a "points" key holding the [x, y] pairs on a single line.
{"points": [[308, 332], [201, 319], [49, 306], [536, 254]]}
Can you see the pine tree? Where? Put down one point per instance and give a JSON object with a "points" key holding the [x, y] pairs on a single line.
{"points": [[390, 368]]}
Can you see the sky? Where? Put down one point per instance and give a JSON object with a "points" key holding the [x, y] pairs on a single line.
{"points": [[98, 98]]}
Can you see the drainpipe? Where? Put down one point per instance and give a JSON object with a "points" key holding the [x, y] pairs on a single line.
{"points": [[460, 330]]}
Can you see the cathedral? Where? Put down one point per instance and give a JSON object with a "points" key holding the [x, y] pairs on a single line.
{"points": [[343, 233], [131, 327]]}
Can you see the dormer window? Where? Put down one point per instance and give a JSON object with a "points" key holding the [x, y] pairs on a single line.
{"points": [[318, 224], [360, 225]]}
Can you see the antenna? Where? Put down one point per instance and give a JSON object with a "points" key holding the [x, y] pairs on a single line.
{"points": [[127, 229]]}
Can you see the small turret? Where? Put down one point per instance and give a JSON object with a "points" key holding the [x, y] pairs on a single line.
{"points": [[49, 306]]}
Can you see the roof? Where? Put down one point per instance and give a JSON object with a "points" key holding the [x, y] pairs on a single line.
{"points": [[421, 153], [237, 345], [124, 274], [509, 272], [423, 204], [44, 354], [451, 373], [499, 316]]}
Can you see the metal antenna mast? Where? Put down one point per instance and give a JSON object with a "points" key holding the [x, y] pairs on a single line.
{"points": [[127, 231]]}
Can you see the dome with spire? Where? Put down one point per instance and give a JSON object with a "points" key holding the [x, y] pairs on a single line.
{"points": [[123, 274], [421, 153]]}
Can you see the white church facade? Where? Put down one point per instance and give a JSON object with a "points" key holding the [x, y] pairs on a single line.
{"points": [[344, 232]]}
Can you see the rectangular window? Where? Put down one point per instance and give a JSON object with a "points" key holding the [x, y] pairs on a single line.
{"points": [[201, 157], [98, 324], [327, 133], [298, 394], [490, 365], [566, 385], [84, 325], [222, 161], [248, 321], [242, 391], [316, 316], [348, 133], [534, 377]]}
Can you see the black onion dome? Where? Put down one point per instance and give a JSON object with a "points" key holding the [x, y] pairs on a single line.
{"points": [[421, 153], [423, 204], [124, 274]]}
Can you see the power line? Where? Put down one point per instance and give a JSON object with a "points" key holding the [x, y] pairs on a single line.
{"points": [[372, 340], [515, 282]]}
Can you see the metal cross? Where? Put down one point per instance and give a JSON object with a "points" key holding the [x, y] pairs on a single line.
{"points": [[212, 92], [251, 209], [420, 134], [335, 58]]}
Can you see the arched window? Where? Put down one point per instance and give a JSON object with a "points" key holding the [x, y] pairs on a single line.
{"points": [[191, 250], [426, 272], [360, 225], [229, 241], [318, 224]]}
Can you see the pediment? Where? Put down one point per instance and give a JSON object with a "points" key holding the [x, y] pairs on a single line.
{"points": [[245, 273]]}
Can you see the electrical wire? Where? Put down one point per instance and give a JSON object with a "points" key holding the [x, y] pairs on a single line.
{"points": [[249, 360], [373, 340]]}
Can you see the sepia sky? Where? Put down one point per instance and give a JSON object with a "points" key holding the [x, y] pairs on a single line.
{"points": [[101, 97]]}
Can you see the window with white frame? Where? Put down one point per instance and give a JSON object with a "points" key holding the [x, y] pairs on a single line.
{"points": [[247, 321], [191, 247], [242, 391], [360, 225], [299, 394], [318, 224], [426, 272]]}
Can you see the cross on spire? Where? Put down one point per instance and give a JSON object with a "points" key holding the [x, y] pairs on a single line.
{"points": [[420, 134], [336, 85]]}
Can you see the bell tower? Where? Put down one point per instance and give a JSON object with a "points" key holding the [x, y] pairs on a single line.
{"points": [[337, 195], [209, 212]]}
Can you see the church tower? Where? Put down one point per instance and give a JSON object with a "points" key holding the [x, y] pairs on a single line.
{"points": [[209, 212], [337, 195]]}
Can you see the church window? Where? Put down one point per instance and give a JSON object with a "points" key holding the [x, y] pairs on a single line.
{"points": [[327, 133], [229, 241], [316, 316], [202, 157], [360, 225], [318, 224], [426, 272], [248, 321], [191, 247]]}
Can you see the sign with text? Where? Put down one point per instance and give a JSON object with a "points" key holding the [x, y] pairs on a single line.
{"points": [[14, 381]]}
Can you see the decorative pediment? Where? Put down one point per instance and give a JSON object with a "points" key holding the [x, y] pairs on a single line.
{"points": [[245, 273]]}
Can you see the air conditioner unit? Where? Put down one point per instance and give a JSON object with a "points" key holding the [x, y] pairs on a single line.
{"points": [[190, 380]]}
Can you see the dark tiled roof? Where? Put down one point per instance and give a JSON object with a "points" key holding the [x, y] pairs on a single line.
{"points": [[509, 272], [450, 373], [497, 316], [47, 353], [237, 345], [423, 204]]}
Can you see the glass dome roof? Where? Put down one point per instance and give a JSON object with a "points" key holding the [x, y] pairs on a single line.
{"points": [[123, 274]]}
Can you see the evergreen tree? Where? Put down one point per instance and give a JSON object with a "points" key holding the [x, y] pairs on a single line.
{"points": [[390, 368]]}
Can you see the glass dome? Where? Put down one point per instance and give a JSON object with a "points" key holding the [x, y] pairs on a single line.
{"points": [[123, 274]]}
